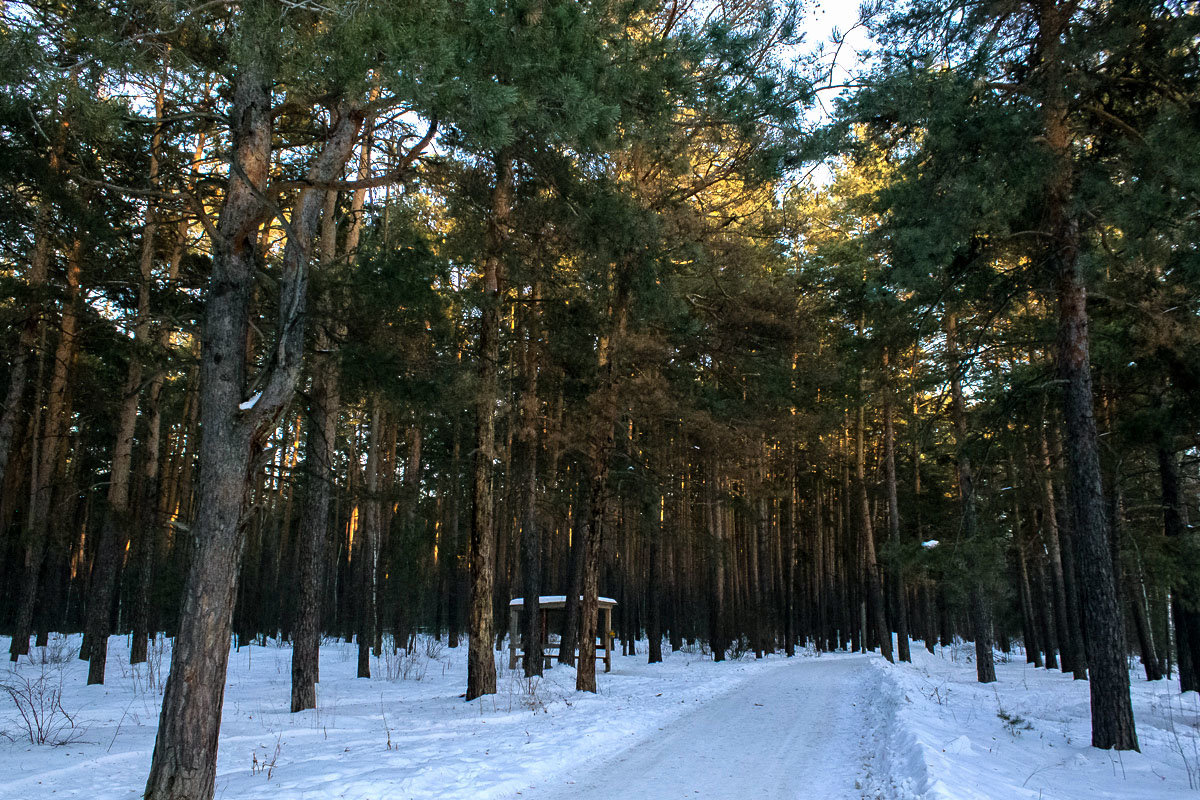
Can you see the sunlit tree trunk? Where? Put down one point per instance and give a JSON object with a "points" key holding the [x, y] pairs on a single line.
{"points": [[481, 665], [872, 578], [49, 447]]}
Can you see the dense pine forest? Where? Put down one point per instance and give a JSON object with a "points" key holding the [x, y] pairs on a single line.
{"points": [[346, 318]]}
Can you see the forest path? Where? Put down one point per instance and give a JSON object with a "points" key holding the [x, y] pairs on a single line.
{"points": [[801, 730]]}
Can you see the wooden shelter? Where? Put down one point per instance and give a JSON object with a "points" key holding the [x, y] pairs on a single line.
{"points": [[558, 602]]}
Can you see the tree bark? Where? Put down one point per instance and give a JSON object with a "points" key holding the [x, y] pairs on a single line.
{"points": [[114, 534], [149, 522], [822, 568], [481, 664], [789, 548], [570, 633], [654, 630], [593, 537], [874, 582], [719, 640], [32, 325], [321, 444], [1145, 635], [1033, 643], [1033, 648], [46, 461], [453, 568], [1070, 638], [1112, 711], [150, 495], [236, 427], [978, 608], [603, 414], [368, 540], [387, 606], [1184, 609], [757, 522], [320, 447], [531, 543], [889, 462]]}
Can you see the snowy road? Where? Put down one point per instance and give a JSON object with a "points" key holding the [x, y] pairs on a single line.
{"points": [[793, 731]]}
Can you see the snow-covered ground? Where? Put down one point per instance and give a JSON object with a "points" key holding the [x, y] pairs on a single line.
{"points": [[406, 733], [1028, 735], [834, 726]]}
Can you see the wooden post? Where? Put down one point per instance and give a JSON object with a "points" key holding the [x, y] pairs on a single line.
{"points": [[513, 613], [607, 638]]}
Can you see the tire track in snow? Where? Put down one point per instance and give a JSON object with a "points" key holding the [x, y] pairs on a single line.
{"points": [[804, 730]]}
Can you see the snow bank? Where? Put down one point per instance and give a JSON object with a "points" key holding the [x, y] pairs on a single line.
{"points": [[1028, 734], [900, 772]]}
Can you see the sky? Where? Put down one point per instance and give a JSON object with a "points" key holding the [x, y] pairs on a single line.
{"points": [[821, 20]]}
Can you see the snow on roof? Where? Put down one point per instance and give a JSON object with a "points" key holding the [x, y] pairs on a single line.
{"points": [[557, 598]]}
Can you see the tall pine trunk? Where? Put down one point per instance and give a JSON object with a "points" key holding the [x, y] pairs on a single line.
{"points": [[1112, 710], [321, 442], [46, 462], [872, 578], [367, 552], [897, 573], [150, 495], [531, 544], [978, 609], [33, 324], [320, 446], [481, 664], [1183, 602], [569, 642], [1066, 612], [114, 534], [654, 629], [236, 424], [719, 640], [603, 418]]}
